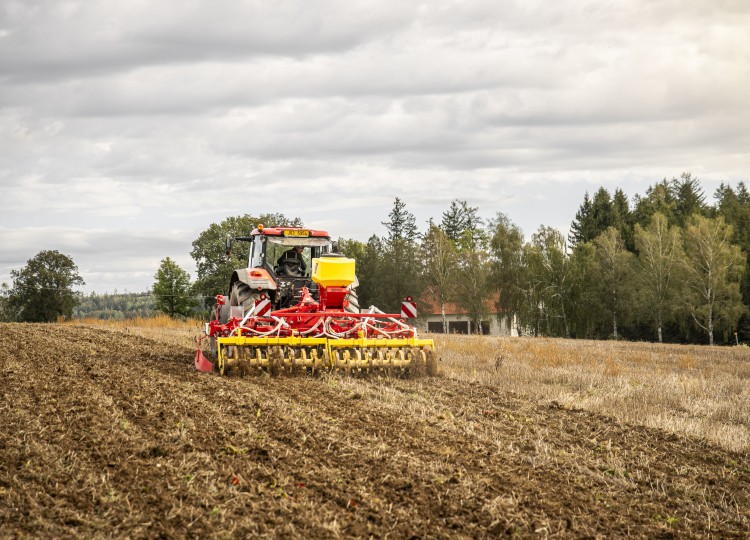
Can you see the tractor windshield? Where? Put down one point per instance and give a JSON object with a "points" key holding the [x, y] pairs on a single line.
{"points": [[295, 241], [275, 250], [293, 256]]}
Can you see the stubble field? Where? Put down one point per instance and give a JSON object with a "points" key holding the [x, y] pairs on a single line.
{"points": [[107, 431]]}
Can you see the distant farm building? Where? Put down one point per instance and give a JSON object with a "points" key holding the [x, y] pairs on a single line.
{"points": [[459, 322]]}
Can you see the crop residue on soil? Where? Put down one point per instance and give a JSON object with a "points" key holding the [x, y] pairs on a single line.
{"points": [[107, 433]]}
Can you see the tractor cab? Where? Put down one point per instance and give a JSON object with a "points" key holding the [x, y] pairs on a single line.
{"points": [[287, 255], [279, 266]]}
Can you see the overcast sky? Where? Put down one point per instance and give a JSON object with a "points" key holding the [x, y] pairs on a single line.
{"points": [[126, 128]]}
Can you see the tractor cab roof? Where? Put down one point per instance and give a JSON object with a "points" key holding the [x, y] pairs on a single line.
{"points": [[290, 232]]}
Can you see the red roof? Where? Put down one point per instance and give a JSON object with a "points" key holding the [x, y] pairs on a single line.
{"points": [[432, 306]]}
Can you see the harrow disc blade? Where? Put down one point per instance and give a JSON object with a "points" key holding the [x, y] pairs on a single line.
{"points": [[276, 355]]}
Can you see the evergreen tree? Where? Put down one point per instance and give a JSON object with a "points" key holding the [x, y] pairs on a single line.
{"points": [[581, 227], [602, 213], [400, 266], [401, 224], [172, 290], [659, 199], [459, 219], [593, 217], [689, 198], [622, 218], [452, 222]]}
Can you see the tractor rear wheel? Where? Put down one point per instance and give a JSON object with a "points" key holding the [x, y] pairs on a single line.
{"points": [[242, 295]]}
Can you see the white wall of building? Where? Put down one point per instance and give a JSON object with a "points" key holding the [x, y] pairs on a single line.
{"points": [[461, 322]]}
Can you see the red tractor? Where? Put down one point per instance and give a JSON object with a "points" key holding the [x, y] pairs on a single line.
{"points": [[280, 266]]}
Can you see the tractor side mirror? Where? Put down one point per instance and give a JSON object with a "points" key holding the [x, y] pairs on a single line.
{"points": [[229, 244], [335, 247]]}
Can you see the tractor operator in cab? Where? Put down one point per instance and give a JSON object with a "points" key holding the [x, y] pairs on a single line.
{"points": [[291, 262]]}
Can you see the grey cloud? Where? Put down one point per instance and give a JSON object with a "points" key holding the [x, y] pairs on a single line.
{"points": [[118, 122], [211, 87], [132, 256], [17, 242], [49, 40]]}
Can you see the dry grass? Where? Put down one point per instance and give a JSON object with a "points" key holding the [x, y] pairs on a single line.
{"points": [[160, 328], [692, 390], [158, 321]]}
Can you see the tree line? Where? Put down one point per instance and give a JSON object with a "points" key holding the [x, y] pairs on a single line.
{"points": [[115, 306], [666, 266]]}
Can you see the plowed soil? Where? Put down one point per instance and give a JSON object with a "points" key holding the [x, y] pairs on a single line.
{"points": [[104, 433]]}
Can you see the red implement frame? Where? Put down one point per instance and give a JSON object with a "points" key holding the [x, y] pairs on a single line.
{"points": [[308, 318]]}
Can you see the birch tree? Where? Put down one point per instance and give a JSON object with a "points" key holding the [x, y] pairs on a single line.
{"points": [[714, 268], [614, 264], [508, 268], [472, 286], [660, 256], [440, 265], [555, 275]]}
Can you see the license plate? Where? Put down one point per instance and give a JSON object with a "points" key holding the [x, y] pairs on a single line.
{"points": [[296, 233]]}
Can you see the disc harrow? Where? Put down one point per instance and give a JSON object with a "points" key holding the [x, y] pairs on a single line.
{"points": [[307, 355], [315, 335], [305, 339]]}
